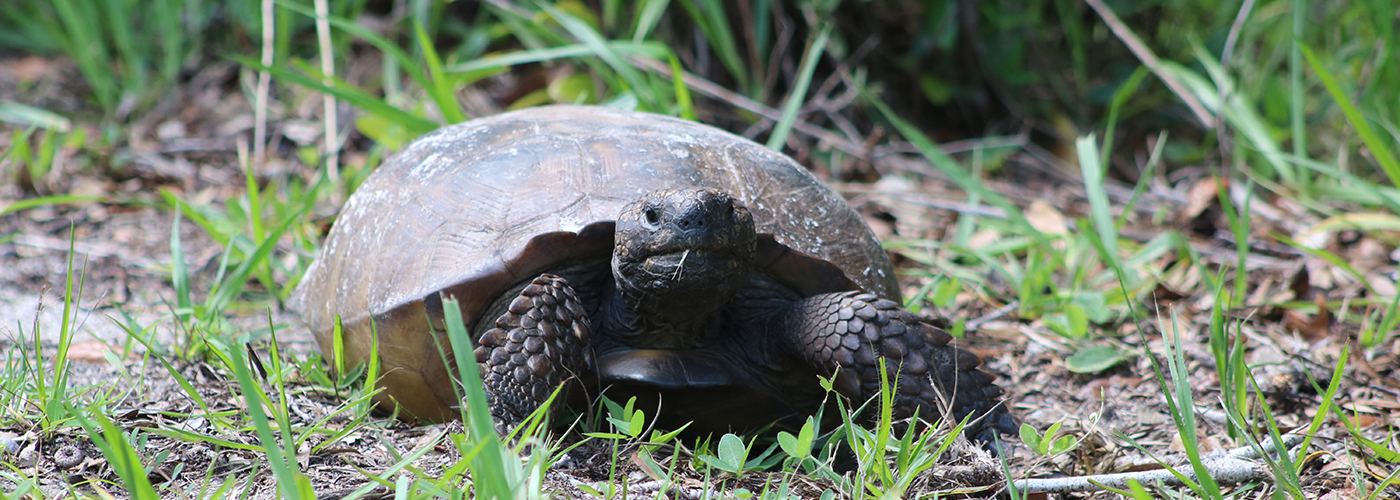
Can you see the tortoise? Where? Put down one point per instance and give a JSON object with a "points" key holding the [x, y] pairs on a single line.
{"points": [[630, 252]]}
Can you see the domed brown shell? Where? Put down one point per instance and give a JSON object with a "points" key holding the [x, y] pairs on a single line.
{"points": [[477, 207]]}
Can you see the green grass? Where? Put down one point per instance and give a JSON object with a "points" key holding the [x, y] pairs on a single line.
{"points": [[1307, 118]]}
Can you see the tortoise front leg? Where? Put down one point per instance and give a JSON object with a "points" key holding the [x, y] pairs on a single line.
{"points": [[540, 342], [851, 330]]}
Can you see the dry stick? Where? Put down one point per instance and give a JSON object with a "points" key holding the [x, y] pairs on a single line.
{"points": [[264, 81], [1236, 466], [328, 107], [1150, 60], [713, 90], [973, 324]]}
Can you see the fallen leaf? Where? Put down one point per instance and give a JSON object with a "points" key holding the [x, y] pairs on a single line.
{"points": [[882, 223], [1094, 359], [1046, 219], [1313, 329], [983, 239], [1095, 389], [1347, 493], [1363, 421], [30, 68], [91, 351], [1202, 195], [1301, 284], [1205, 444]]}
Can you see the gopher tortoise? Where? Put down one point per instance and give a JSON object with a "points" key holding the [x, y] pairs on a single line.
{"points": [[631, 254]]}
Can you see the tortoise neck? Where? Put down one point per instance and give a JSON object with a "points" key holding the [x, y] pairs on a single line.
{"points": [[642, 321]]}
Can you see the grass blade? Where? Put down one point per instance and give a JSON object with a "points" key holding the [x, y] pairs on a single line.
{"points": [[290, 481], [30, 116], [1378, 147], [648, 15], [85, 45], [410, 66], [1120, 97], [960, 176], [1296, 116], [441, 88], [712, 19], [29, 203], [798, 95], [119, 454], [345, 91], [599, 47], [1092, 169], [488, 466]]}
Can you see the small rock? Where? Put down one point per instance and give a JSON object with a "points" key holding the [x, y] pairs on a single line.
{"points": [[26, 457], [170, 130], [11, 445]]}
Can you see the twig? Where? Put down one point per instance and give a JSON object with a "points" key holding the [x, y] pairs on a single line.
{"points": [[264, 82], [1235, 467], [973, 324], [1249, 453], [328, 106], [1224, 470], [1150, 60]]}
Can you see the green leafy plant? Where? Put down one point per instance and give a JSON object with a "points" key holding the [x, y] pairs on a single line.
{"points": [[732, 455], [1050, 443]]}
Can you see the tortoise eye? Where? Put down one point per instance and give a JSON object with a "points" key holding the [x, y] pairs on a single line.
{"points": [[653, 216]]}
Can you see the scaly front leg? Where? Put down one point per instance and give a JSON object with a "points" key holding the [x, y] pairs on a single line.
{"points": [[852, 330], [540, 342]]}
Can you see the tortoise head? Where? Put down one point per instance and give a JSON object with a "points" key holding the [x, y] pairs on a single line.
{"points": [[683, 253]]}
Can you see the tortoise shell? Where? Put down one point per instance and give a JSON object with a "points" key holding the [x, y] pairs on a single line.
{"points": [[476, 208]]}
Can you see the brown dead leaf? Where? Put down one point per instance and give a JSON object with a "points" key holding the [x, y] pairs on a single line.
{"points": [[1368, 254], [1164, 294], [1206, 444], [1301, 284], [1363, 421], [1046, 219], [1202, 195], [29, 68], [1313, 329], [91, 351], [1095, 389], [983, 239], [1347, 493], [1383, 285], [882, 223], [1365, 366]]}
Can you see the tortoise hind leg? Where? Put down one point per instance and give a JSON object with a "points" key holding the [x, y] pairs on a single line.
{"points": [[851, 330], [538, 343]]}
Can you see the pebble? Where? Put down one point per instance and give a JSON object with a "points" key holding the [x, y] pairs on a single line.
{"points": [[26, 458], [11, 445]]}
